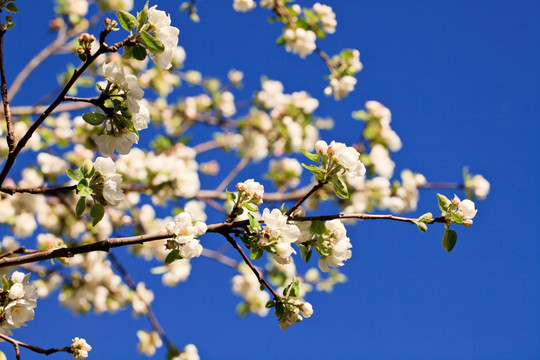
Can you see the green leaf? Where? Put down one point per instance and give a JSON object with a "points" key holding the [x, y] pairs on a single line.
{"points": [[128, 52], [12, 8], [444, 202], [5, 283], [280, 40], [248, 207], [87, 168], [317, 227], [96, 213], [153, 44], [81, 206], [295, 290], [83, 189], [269, 304], [94, 118], [127, 21], [173, 256], [75, 175], [141, 17], [340, 189], [256, 253], [312, 157], [456, 218], [139, 53], [231, 196], [280, 309], [253, 223], [449, 239]]}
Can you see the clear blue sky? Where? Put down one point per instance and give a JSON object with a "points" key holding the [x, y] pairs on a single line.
{"points": [[463, 82]]}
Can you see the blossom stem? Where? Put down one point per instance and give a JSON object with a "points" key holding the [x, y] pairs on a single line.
{"points": [[261, 279], [316, 187]]}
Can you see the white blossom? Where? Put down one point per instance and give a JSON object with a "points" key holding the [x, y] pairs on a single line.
{"points": [[340, 87], [122, 143], [190, 353], [326, 16], [165, 33], [479, 185], [81, 348], [300, 41], [244, 5]]}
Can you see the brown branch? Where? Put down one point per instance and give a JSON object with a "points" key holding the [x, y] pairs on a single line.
{"points": [[16, 344], [5, 99], [324, 56], [316, 187], [32, 110], [19, 250], [104, 245], [261, 279], [40, 190]]}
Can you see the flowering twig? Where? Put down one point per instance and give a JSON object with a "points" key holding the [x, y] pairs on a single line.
{"points": [[16, 344], [5, 99], [316, 187], [76, 74]]}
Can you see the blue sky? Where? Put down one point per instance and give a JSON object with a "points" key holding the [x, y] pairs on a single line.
{"points": [[462, 81]]}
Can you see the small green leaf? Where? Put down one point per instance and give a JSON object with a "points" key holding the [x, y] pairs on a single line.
{"points": [[280, 309], [141, 17], [340, 189], [81, 206], [153, 44], [317, 227], [83, 189], [449, 239], [456, 218], [173, 256], [96, 213], [295, 290], [269, 304], [248, 207], [75, 175], [127, 21], [444, 202], [139, 53], [94, 118], [256, 253], [231, 196], [128, 52], [12, 8], [280, 40], [312, 157], [5, 283], [253, 223]]}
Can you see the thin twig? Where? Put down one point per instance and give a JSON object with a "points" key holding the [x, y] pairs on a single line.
{"points": [[149, 313], [316, 187], [19, 250], [261, 279], [5, 98], [37, 349], [39, 190], [239, 167]]}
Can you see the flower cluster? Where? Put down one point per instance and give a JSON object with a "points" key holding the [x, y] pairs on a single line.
{"points": [[336, 246], [128, 117], [148, 342], [340, 156], [17, 302], [250, 191], [478, 185], [80, 348], [457, 211], [327, 17], [285, 172], [342, 80], [112, 182], [279, 235], [300, 41], [185, 231]]}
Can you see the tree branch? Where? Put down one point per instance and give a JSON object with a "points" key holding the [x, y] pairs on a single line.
{"points": [[5, 99], [16, 344], [316, 187]]}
